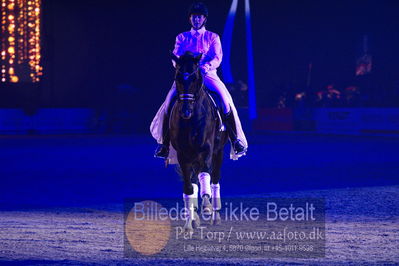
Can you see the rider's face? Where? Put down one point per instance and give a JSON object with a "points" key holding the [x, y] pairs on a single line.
{"points": [[197, 20]]}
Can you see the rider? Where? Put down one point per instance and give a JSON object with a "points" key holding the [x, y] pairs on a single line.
{"points": [[199, 40]]}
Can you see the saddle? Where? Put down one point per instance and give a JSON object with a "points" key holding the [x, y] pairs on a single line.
{"points": [[217, 107]]}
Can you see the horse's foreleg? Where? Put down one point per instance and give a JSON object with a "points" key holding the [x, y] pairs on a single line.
{"points": [[191, 207], [186, 174], [190, 198]]}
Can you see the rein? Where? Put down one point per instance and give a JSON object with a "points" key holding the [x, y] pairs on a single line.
{"points": [[187, 75]]}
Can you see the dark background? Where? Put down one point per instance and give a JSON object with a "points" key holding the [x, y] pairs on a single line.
{"points": [[102, 54]]}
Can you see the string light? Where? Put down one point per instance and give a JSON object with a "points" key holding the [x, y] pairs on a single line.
{"points": [[20, 41]]}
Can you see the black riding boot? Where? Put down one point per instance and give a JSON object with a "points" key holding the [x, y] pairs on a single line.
{"points": [[232, 131], [162, 150]]}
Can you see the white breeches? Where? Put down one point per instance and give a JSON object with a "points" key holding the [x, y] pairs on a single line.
{"points": [[213, 83]]}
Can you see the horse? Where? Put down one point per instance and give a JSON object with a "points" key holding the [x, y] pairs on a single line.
{"points": [[199, 143]]}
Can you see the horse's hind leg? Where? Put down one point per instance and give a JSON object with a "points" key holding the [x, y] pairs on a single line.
{"points": [[216, 204], [205, 185], [217, 166], [215, 188]]}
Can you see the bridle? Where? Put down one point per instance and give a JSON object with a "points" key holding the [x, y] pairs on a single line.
{"points": [[186, 76]]}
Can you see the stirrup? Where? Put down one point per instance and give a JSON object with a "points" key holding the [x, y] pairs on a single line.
{"points": [[162, 152]]}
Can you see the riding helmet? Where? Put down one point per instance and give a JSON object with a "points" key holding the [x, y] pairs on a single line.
{"points": [[198, 8]]}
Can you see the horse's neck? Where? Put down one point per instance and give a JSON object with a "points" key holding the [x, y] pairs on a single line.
{"points": [[203, 102], [202, 97]]}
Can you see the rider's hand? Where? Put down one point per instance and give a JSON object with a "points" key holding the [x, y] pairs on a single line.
{"points": [[204, 69]]}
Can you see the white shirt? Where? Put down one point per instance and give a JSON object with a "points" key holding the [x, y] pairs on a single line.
{"points": [[201, 41]]}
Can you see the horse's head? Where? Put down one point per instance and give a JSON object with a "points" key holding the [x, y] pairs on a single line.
{"points": [[188, 81]]}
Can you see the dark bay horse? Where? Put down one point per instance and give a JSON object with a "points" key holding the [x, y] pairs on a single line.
{"points": [[195, 135]]}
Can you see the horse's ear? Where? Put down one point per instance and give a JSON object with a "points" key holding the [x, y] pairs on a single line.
{"points": [[174, 57], [198, 58]]}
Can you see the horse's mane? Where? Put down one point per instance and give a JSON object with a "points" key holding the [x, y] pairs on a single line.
{"points": [[187, 57]]}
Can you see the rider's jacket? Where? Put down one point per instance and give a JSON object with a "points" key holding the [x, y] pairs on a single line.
{"points": [[201, 41]]}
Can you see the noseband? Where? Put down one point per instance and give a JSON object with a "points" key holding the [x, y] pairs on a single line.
{"points": [[187, 96]]}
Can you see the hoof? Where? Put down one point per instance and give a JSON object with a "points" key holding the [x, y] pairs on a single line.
{"points": [[196, 221], [188, 228], [216, 220]]}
